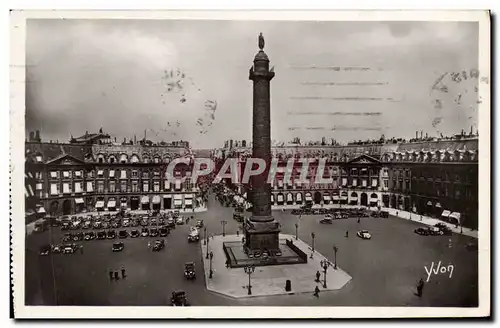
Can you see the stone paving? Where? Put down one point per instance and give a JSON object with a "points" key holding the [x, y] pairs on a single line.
{"points": [[269, 280]]}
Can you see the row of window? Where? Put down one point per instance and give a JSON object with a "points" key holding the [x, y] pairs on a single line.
{"points": [[112, 186], [117, 174]]}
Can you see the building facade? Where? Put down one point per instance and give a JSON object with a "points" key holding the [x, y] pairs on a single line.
{"points": [[435, 178], [71, 178]]}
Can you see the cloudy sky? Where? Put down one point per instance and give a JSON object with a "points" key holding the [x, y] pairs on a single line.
{"points": [[189, 79]]}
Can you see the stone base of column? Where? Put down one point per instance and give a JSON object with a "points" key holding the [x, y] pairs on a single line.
{"points": [[262, 236]]}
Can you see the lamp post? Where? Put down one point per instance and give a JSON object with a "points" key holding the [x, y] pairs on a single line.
{"points": [[205, 236], [335, 250], [249, 270], [223, 223], [296, 230], [313, 235], [324, 264], [211, 271], [208, 241]]}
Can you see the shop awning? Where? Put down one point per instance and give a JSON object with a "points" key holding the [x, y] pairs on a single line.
{"points": [[438, 205], [177, 197], [145, 200], [326, 197], [309, 197], [41, 210], [79, 200], [156, 199], [280, 198], [446, 213], [112, 203], [99, 204], [177, 202], [429, 203], [188, 201], [455, 215]]}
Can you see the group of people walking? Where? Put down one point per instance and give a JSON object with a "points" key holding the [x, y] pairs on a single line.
{"points": [[115, 275]]}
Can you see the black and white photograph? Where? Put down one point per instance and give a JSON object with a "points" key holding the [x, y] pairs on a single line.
{"points": [[247, 163]]}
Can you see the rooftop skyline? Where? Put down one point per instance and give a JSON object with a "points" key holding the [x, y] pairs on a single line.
{"points": [[341, 80]]}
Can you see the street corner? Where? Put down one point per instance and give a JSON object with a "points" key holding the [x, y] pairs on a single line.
{"points": [[271, 280]]}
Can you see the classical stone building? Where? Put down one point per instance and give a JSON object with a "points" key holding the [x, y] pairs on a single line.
{"points": [[89, 175], [431, 177]]}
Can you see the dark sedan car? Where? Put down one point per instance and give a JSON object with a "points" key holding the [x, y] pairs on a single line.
{"points": [[134, 233], [111, 234], [118, 247], [153, 232], [164, 231], [122, 234], [422, 231], [101, 235]]}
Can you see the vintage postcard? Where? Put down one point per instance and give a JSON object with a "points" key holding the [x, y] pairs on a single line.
{"points": [[240, 164]]}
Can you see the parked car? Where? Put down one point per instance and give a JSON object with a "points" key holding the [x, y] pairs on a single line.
{"points": [[45, 250], [126, 223], [105, 225], [134, 223], [89, 236], [153, 232], [97, 225], [422, 231], [199, 224], [164, 231], [134, 233], [118, 247], [101, 235], [171, 223], [161, 221], [87, 224], [56, 249], [122, 234], [444, 228], [111, 234], [326, 220], [364, 234], [145, 232], [144, 222], [153, 222], [78, 236], [69, 249], [180, 220]]}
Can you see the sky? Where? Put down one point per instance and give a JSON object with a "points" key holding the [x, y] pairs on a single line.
{"points": [[188, 79]]}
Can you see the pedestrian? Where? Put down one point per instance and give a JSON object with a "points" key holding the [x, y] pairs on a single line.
{"points": [[123, 273], [318, 275], [316, 291], [237, 233], [347, 234], [116, 275], [110, 275], [81, 249], [420, 287], [358, 219]]}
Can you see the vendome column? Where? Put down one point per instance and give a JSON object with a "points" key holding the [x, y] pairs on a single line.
{"points": [[261, 230]]}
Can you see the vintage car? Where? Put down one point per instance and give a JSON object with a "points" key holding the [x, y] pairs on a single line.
{"points": [[118, 247], [326, 220], [164, 231], [134, 233], [134, 223], [65, 226], [105, 225], [161, 221], [189, 271], [179, 298], [384, 214], [179, 220], [153, 232], [364, 234], [67, 237], [56, 249], [144, 222], [194, 236], [111, 234], [97, 225], [45, 250], [114, 224], [69, 248], [422, 231], [122, 234], [101, 235], [78, 236], [126, 223], [199, 224], [153, 222], [145, 232], [170, 223], [89, 236], [158, 245], [444, 228]]}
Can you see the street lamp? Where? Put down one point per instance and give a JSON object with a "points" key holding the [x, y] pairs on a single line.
{"points": [[205, 236], [296, 230], [223, 222], [324, 264], [208, 241], [313, 235], [249, 270], [335, 250], [211, 271]]}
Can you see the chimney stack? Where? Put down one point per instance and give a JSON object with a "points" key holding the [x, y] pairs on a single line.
{"points": [[32, 136], [416, 134], [426, 135], [37, 135]]}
